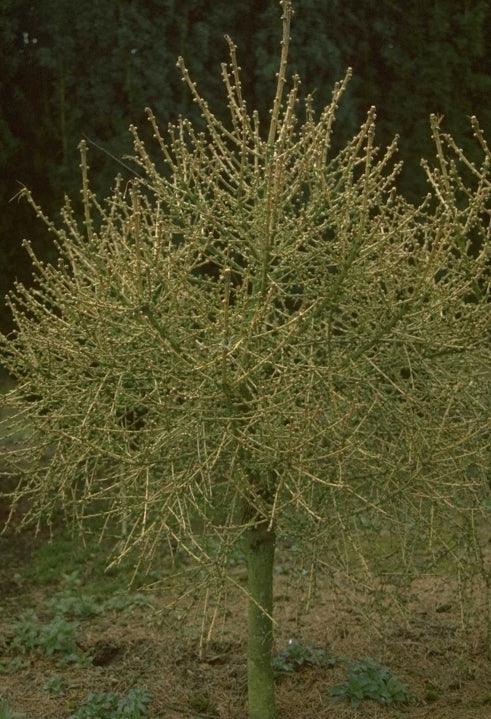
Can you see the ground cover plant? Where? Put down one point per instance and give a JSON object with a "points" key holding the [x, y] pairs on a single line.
{"points": [[367, 679], [257, 341], [295, 656]]}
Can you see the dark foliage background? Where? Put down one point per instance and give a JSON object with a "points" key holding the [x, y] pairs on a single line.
{"points": [[68, 73]]}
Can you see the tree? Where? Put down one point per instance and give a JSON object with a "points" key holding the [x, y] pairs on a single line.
{"points": [[266, 335], [66, 75]]}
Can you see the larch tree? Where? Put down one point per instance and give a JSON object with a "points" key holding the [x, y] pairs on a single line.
{"points": [[258, 334]]}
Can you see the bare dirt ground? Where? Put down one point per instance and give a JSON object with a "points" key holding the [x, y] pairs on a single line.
{"points": [[441, 658]]}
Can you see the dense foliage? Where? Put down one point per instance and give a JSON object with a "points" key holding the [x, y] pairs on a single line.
{"points": [[67, 74]]}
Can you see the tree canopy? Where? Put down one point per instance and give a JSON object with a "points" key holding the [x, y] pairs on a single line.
{"points": [[68, 75]]}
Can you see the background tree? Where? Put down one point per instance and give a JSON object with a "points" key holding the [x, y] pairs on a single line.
{"points": [[263, 340], [68, 75]]}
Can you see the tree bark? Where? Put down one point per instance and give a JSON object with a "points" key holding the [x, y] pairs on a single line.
{"points": [[260, 547]]}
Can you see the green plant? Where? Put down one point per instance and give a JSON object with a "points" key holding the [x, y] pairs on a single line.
{"points": [[123, 601], [11, 665], [61, 551], [201, 704], [368, 679], [80, 606], [295, 656], [55, 687], [109, 705], [432, 692], [56, 637], [6, 713]]}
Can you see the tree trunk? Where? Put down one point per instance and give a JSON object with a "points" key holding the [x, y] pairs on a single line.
{"points": [[260, 546]]}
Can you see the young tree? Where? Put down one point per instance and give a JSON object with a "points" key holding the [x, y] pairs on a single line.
{"points": [[256, 335]]}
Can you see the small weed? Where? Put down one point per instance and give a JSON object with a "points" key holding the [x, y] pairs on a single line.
{"points": [[55, 687], [432, 693], [295, 656], [202, 705], [370, 680], [68, 605], [58, 636], [11, 666], [108, 705], [55, 637]]}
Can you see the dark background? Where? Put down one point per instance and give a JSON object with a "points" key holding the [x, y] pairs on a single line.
{"points": [[71, 71]]}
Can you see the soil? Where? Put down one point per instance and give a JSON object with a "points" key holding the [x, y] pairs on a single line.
{"points": [[430, 646]]}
